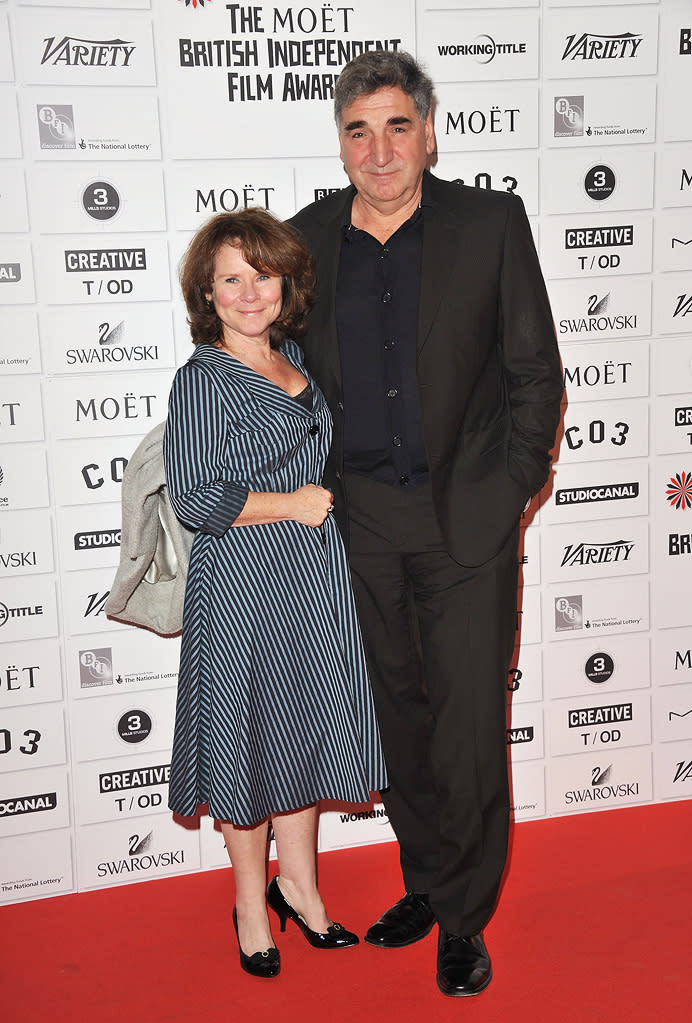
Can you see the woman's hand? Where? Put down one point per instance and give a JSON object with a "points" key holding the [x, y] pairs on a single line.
{"points": [[311, 504]]}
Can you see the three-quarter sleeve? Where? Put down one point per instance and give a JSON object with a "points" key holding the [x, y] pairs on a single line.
{"points": [[195, 446]]}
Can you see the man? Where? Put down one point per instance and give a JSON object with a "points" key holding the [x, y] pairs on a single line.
{"points": [[433, 341]]}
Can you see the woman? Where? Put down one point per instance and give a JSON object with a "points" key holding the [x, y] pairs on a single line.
{"points": [[274, 708]]}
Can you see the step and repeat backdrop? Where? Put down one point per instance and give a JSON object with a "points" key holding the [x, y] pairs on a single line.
{"points": [[127, 124]]}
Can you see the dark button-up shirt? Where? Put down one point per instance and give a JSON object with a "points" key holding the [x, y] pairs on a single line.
{"points": [[377, 298]]}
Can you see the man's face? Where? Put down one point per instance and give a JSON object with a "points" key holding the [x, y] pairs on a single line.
{"points": [[384, 147]]}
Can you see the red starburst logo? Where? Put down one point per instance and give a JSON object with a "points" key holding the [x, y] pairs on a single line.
{"points": [[195, 3], [679, 491]]}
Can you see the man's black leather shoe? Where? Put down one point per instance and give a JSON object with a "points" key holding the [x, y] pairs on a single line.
{"points": [[463, 964], [408, 920]]}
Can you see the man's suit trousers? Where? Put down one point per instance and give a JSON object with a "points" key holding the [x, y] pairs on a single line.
{"points": [[438, 639]]}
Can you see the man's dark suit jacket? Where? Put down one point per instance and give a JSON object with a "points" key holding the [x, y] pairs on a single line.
{"points": [[488, 366]]}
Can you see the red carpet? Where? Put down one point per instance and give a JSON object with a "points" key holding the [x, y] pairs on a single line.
{"points": [[593, 925]]}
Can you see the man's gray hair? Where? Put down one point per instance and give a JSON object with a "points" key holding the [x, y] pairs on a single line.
{"points": [[382, 69]]}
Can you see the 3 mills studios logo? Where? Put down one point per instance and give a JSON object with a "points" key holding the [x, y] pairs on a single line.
{"points": [[101, 200]]}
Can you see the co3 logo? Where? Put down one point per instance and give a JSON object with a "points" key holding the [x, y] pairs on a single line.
{"points": [[596, 433]]}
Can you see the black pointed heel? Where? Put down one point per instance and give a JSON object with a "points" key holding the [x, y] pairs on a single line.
{"points": [[336, 935], [259, 964]]}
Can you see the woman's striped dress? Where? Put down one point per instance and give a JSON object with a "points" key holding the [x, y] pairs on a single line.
{"points": [[274, 709]]}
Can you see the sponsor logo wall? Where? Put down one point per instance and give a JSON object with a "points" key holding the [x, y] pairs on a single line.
{"points": [[125, 127]]}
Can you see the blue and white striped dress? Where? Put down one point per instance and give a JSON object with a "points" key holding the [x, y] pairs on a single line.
{"points": [[274, 709]]}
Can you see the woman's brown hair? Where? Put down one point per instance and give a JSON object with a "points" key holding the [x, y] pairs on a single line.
{"points": [[269, 246]]}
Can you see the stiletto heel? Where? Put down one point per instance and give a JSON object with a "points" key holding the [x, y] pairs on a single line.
{"points": [[259, 964], [336, 935]]}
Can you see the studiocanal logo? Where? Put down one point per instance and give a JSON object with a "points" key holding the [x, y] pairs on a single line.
{"points": [[10, 273], [679, 491], [597, 494], [37, 802]]}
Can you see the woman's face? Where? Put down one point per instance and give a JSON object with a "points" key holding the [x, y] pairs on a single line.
{"points": [[246, 301]]}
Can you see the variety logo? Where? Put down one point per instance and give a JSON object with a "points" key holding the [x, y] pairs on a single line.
{"points": [[479, 122], [96, 667], [36, 803], [589, 495], [72, 52], [599, 182], [101, 200], [597, 553], [56, 126], [683, 305], [599, 668], [590, 46], [568, 121], [569, 614], [683, 771], [679, 491], [95, 603], [679, 543]]}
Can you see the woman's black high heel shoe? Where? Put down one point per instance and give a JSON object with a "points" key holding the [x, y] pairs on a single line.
{"points": [[336, 935], [259, 964]]}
